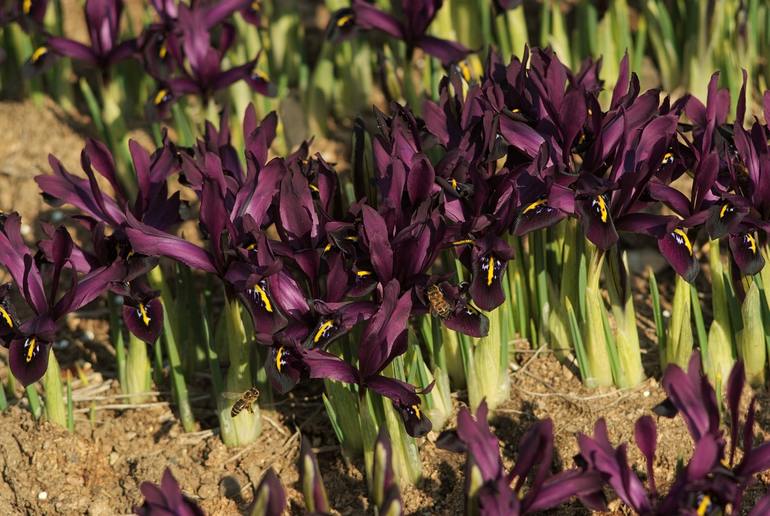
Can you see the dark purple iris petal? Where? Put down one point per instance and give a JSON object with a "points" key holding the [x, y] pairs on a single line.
{"points": [[144, 319], [677, 248], [284, 367], [726, 216], [694, 398], [489, 259], [468, 320], [598, 453], [28, 358], [537, 215], [745, 250], [597, 221], [260, 303], [405, 401]]}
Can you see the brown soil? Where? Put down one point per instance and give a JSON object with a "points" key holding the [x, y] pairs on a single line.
{"points": [[98, 469]]}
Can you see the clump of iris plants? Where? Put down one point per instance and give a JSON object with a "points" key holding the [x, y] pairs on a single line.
{"points": [[712, 481], [529, 486]]}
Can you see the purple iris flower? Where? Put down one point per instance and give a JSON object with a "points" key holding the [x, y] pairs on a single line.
{"points": [[504, 493], [29, 341], [411, 28], [103, 22], [143, 313], [28, 13], [383, 339], [711, 480], [199, 62], [741, 210]]}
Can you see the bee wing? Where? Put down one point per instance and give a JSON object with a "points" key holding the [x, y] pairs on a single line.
{"points": [[232, 395]]}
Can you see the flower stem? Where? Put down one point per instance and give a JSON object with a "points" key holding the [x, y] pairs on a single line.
{"points": [[54, 397], [177, 377], [631, 372], [679, 341], [137, 370], [226, 428], [751, 337], [594, 338], [34, 401], [248, 425]]}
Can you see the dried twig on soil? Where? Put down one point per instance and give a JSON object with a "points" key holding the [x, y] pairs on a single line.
{"points": [[275, 425]]}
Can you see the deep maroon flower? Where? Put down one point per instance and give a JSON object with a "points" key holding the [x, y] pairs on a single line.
{"points": [[103, 22], [417, 16], [27, 13], [142, 310], [710, 481], [199, 62], [30, 340], [383, 339]]}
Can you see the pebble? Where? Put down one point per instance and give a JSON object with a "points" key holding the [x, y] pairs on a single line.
{"points": [[25, 229], [666, 314], [42, 496], [207, 491], [89, 336], [114, 458], [646, 394]]}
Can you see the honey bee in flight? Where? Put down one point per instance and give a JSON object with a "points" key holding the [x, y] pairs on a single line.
{"points": [[246, 401], [439, 305]]}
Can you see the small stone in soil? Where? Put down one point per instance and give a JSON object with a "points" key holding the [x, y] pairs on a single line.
{"points": [[42, 496]]}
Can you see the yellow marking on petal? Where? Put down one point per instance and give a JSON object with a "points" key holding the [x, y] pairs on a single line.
{"points": [[8, 320], [143, 312], [752, 242], [314, 188], [531, 206], [687, 243], [602, 208], [417, 412], [467, 241], [454, 184], [465, 70], [160, 96], [667, 158], [251, 247], [491, 271], [704, 505], [352, 238], [328, 247], [38, 53], [321, 329], [26, 6], [260, 74], [516, 110], [722, 212], [163, 51], [362, 274], [278, 356], [344, 20], [263, 296], [31, 349]]}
